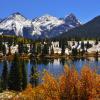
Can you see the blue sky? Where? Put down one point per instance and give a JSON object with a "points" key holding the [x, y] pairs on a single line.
{"points": [[85, 10]]}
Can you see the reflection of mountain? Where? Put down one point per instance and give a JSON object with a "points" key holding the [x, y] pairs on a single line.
{"points": [[56, 62]]}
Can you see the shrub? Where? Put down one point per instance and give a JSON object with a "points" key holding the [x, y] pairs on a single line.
{"points": [[69, 86]]}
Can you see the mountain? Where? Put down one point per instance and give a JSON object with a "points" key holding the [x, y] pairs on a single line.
{"points": [[0, 20], [14, 24], [42, 27], [72, 20], [45, 22], [89, 30], [49, 26]]}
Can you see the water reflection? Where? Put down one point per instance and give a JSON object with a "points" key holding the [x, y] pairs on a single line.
{"points": [[34, 76], [35, 67]]}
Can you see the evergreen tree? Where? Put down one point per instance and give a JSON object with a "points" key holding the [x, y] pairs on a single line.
{"points": [[64, 45], [14, 82], [4, 76], [4, 49], [45, 50], [0, 45], [74, 52], [96, 42], [82, 45], [24, 76], [33, 48], [73, 43], [25, 49], [88, 45], [20, 48], [9, 46], [39, 49], [52, 51], [63, 50]]}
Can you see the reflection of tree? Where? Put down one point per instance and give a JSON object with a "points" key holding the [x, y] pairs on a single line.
{"points": [[35, 61], [34, 76], [82, 58], [31, 61], [26, 61], [24, 76], [1, 85], [51, 61], [45, 61], [5, 75], [62, 61], [14, 82], [38, 61]]}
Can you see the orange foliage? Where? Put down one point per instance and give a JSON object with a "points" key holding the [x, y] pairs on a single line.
{"points": [[70, 86]]}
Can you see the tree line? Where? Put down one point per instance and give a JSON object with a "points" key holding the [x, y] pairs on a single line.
{"points": [[44, 47]]}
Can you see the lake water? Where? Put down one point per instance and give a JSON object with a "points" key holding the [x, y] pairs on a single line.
{"points": [[56, 66]]}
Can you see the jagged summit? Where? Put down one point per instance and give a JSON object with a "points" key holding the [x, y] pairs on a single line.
{"points": [[44, 26], [45, 23], [71, 15], [15, 22], [16, 16], [46, 18], [71, 19]]}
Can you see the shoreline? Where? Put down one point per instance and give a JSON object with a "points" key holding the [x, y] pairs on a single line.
{"points": [[55, 56]]}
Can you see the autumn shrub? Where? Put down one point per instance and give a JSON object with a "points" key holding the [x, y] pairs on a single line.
{"points": [[71, 85], [88, 89]]}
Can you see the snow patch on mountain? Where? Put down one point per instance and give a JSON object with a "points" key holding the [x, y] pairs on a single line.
{"points": [[41, 27], [45, 22], [72, 20], [15, 22]]}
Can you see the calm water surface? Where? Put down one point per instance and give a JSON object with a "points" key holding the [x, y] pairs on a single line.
{"points": [[56, 66]]}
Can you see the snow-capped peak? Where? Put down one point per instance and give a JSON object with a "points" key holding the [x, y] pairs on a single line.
{"points": [[16, 17], [71, 15], [15, 22], [44, 26], [45, 22], [46, 18], [72, 20]]}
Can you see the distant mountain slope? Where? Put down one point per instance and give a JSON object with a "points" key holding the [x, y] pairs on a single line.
{"points": [[88, 30], [42, 27]]}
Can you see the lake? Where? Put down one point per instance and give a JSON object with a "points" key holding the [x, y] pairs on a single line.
{"points": [[56, 66]]}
